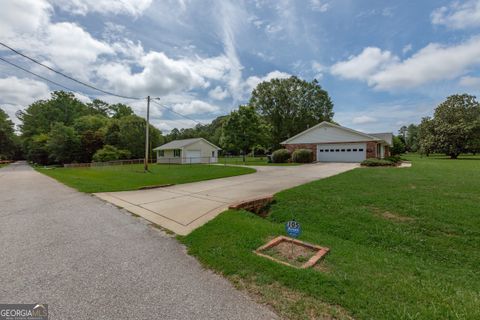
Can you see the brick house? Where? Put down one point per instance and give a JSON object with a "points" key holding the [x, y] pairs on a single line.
{"points": [[333, 143]]}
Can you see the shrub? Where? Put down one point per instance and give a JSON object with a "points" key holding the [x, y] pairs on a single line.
{"points": [[377, 163], [394, 159], [302, 156], [110, 153], [280, 156]]}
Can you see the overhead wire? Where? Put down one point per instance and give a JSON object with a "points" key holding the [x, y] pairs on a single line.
{"points": [[67, 76], [78, 81]]}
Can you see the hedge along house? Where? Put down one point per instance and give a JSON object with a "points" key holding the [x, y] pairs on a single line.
{"points": [[333, 143], [197, 150]]}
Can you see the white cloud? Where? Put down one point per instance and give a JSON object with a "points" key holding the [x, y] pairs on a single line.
{"points": [[458, 15], [19, 18], [468, 81], [194, 107], [318, 68], [406, 49], [22, 91], [363, 119], [218, 93], [363, 66], [160, 75], [319, 5], [435, 62], [26, 25], [82, 7], [18, 93], [253, 81]]}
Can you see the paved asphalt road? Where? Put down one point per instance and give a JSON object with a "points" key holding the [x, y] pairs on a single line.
{"points": [[90, 260]]}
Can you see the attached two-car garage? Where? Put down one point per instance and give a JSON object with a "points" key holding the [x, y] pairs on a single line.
{"points": [[347, 152], [330, 142]]}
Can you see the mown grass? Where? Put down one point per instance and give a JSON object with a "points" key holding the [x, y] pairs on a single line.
{"points": [[131, 177], [405, 244]]}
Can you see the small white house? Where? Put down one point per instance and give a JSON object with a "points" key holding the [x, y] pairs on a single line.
{"points": [[186, 151]]}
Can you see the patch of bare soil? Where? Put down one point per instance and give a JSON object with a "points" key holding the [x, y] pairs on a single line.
{"points": [[290, 304], [291, 253], [390, 215]]}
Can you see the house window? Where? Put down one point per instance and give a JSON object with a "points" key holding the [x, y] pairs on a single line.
{"points": [[343, 150], [161, 153], [361, 150], [326, 150], [348, 150], [332, 150], [354, 150], [321, 150], [337, 150], [213, 154], [176, 152]]}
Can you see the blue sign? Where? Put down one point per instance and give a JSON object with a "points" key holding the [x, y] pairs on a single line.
{"points": [[293, 228]]}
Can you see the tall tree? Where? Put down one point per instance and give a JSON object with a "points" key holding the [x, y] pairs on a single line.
{"points": [[128, 133], [243, 130], [61, 107], [426, 136], [456, 122], [291, 106], [411, 142], [9, 143], [63, 143]]}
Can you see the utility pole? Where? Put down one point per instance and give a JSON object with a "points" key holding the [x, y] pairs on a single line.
{"points": [[146, 135]]}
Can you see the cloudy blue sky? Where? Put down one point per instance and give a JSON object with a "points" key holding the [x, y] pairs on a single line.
{"points": [[384, 63]]}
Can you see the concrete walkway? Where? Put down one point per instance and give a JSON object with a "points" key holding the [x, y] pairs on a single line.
{"points": [[183, 208], [89, 260]]}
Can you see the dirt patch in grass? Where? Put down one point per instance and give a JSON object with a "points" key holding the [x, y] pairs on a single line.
{"points": [[291, 253], [290, 304], [390, 215]]}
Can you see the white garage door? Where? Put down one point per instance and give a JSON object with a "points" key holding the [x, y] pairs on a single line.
{"points": [[193, 156], [345, 152]]}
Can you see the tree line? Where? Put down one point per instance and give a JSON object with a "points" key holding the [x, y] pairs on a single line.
{"points": [[277, 110], [63, 129], [453, 129]]}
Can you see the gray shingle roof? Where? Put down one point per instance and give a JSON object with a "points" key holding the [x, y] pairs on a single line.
{"points": [[385, 136], [178, 144]]}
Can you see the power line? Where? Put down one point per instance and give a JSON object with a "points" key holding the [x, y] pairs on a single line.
{"points": [[48, 80], [37, 75], [67, 76], [171, 110]]}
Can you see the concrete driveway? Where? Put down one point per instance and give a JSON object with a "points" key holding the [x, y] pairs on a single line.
{"points": [[89, 260], [183, 208]]}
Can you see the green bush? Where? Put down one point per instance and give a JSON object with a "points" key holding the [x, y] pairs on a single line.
{"points": [[110, 153], [377, 163], [302, 156], [280, 156], [394, 159]]}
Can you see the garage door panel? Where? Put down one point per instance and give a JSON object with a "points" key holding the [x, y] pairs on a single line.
{"points": [[193, 156], [344, 152]]}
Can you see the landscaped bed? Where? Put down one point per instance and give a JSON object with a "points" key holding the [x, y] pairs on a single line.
{"points": [[404, 244], [132, 177]]}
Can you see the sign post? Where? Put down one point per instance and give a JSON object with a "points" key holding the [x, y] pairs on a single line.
{"points": [[293, 229]]}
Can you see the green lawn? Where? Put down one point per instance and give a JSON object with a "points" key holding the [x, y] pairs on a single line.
{"points": [[131, 177], [3, 165], [252, 161], [405, 244]]}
